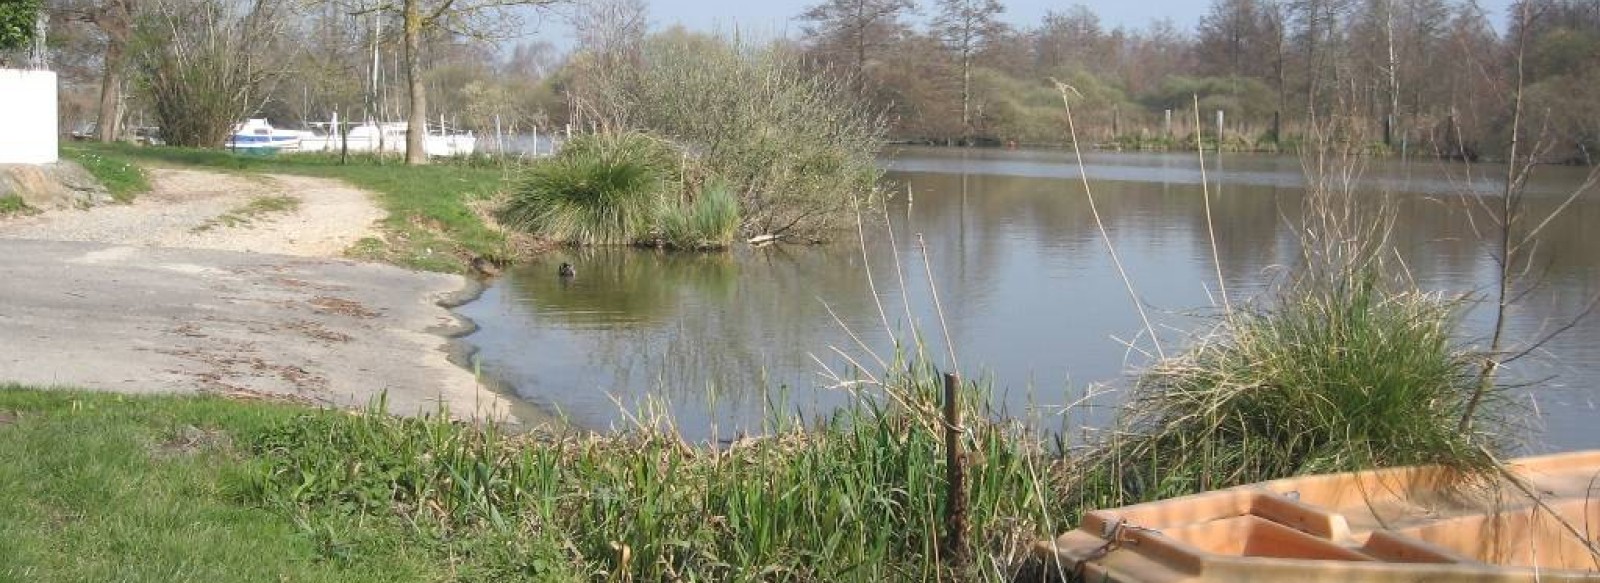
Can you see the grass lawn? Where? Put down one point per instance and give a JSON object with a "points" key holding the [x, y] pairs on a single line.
{"points": [[430, 226], [100, 487]]}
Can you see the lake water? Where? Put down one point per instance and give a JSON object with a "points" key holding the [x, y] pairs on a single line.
{"points": [[1031, 297]]}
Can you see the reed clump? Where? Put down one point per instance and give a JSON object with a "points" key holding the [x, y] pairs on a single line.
{"points": [[857, 498], [619, 189], [1345, 366]]}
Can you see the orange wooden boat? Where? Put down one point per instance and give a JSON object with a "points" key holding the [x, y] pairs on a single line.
{"points": [[1537, 520]]}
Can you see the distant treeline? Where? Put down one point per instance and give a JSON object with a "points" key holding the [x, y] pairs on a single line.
{"points": [[1430, 77]]}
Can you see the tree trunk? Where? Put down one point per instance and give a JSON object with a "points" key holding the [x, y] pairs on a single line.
{"points": [[417, 121], [106, 124], [966, 95], [116, 21]]}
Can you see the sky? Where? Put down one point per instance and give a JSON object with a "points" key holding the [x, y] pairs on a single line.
{"points": [[775, 18]]}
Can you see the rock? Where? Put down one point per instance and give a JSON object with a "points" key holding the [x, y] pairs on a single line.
{"points": [[59, 185]]}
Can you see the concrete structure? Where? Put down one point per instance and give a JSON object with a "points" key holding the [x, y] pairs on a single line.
{"points": [[28, 132]]}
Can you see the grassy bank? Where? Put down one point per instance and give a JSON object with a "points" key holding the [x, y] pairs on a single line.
{"points": [[123, 178], [97, 487], [201, 488], [430, 225]]}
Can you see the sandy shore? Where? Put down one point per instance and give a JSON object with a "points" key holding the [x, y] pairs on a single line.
{"points": [[164, 295]]}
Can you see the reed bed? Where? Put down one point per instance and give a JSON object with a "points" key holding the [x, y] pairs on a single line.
{"points": [[856, 498]]}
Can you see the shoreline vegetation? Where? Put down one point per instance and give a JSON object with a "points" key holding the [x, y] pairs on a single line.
{"points": [[323, 494]]}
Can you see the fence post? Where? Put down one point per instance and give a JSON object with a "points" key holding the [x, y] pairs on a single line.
{"points": [[955, 516]]}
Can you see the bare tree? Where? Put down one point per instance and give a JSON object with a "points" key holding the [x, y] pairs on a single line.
{"points": [[856, 25], [420, 18], [967, 27], [206, 63]]}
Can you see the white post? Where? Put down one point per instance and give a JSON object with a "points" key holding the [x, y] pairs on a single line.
{"points": [[1219, 130], [499, 141]]}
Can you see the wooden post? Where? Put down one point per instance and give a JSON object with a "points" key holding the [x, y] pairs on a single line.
{"points": [[1276, 128], [955, 513]]}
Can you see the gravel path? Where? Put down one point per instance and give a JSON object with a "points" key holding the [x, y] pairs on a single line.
{"points": [[159, 296], [185, 207]]}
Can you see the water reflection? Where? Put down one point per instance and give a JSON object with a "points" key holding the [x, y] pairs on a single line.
{"points": [[1029, 292]]}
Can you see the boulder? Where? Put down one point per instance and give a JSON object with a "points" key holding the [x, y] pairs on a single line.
{"points": [[58, 185]]}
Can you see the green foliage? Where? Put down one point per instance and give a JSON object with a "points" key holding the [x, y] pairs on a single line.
{"points": [[258, 208], [602, 189], [709, 221], [798, 147], [17, 21], [14, 205], [857, 499], [120, 175]]}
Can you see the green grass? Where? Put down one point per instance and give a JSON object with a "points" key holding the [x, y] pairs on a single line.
{"points": [[14, 205], [124, 179], [100, 487], [431, 224], [200, 488], [710, 221], [258, 208]]}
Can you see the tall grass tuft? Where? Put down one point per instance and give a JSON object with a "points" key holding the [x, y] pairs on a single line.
{"points": [[602, 189], [709, 221], [1347, 366]]}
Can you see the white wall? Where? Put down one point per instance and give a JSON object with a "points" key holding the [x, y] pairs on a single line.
{"points": [[27, 117]]}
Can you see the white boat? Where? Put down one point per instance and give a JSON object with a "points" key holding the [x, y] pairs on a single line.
{"points": [[256, 135], [387, 137]]}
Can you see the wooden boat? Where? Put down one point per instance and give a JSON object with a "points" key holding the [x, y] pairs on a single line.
{"points": [[1536, 520]]}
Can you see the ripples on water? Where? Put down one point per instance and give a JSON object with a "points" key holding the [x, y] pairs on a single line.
{"points": [[1031, 298]]}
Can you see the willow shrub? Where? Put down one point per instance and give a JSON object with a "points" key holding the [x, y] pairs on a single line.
{"points": [[798, 146]]}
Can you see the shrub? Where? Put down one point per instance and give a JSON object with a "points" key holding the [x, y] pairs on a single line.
{"points": [[797, 147]]}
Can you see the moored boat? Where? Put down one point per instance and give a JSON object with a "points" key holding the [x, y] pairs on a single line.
{"points": [[255, 135], [389, 138], [1535, 520]]}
